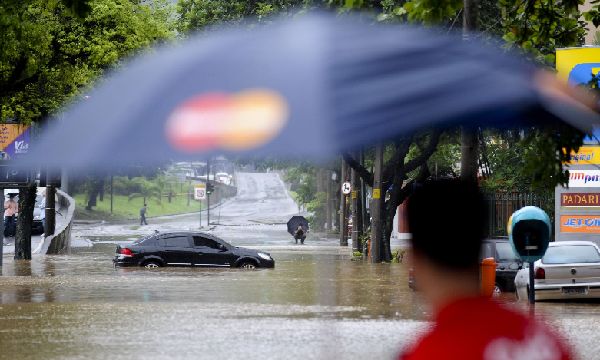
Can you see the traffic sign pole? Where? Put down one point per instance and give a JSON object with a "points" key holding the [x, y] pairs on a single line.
{"points": [[200, 194], [207, 194]]}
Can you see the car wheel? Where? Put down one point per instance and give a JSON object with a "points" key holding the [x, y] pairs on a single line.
{"points": [[248, 265], [151, 264]]}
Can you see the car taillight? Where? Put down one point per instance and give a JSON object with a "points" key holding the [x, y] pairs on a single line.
{"points": [[126, 252], [540, 273]]}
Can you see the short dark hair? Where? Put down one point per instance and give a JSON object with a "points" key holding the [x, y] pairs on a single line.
{"points": [[447, 219]]}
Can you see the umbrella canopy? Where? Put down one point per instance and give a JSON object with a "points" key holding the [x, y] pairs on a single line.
{"points": [[308, 87], [296, 221]]}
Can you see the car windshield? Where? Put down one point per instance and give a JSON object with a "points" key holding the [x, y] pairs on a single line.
{"points": [[505, 252], [571, 254]]}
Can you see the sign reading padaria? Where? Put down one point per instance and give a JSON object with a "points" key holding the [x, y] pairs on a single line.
{"points": [[580, 199]]}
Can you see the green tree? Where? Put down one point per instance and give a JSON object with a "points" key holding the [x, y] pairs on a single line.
{"points": [[51, 55], [199, 14], [53, 50], [535, 26]]}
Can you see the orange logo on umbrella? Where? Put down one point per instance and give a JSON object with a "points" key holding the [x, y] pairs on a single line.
{"points": [[239, 121]]}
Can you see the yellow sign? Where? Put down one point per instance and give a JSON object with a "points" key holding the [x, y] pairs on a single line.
{"points": [[376, 193], [576, 65], [14, 140], [354, 195], [587, 155]]}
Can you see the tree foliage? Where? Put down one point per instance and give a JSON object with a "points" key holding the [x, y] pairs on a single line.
{"points": [[53, 50], [51, 54], [199, 14]]}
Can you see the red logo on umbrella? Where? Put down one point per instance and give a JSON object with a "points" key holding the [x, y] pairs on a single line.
{"points": [[239, 121]]}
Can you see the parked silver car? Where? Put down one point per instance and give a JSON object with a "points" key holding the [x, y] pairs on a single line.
{"points": [[568, 270]]}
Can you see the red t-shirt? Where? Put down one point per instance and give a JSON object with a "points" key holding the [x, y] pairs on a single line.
{"points": [[480, 328]]}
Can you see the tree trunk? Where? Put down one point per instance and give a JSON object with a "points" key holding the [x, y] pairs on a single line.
{"points": [[356, 211], [24, 222], [470, 16], [376, 211], [468, 136], [469, 154], [50, 210], [101, 190]]}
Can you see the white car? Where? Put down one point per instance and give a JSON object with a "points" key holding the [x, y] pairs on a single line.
{"points": [[568, 270]]}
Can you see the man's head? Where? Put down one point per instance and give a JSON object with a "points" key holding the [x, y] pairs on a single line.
{"points": [[144, 204], [447, 219]]}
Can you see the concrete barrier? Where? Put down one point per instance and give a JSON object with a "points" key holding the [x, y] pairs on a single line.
{"points": [[60, 241]]}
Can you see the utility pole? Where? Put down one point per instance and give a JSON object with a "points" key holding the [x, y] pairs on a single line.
{"points": [[377, 205], [328, 207], [363, 195], [50, 206], [343, 209], [111, 193], [207, 193], [64, 182], [468, 135], [356, 211]]}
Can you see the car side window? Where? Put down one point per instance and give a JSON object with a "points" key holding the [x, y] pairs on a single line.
{"points": [[202, 241], [176, 241]]}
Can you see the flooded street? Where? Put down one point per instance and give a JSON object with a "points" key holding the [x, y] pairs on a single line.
{"points": [[309, 306], [315, 304]]}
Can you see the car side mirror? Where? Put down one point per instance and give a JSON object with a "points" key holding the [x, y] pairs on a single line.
{"points": [[222, 247]]}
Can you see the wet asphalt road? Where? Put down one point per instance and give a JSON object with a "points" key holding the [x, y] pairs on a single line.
{"points": [[316, 303]]}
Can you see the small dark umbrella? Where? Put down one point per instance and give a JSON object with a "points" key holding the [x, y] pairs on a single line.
{"points": [[296, 221], [307, 87]]}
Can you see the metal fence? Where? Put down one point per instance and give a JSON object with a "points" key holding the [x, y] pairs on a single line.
{"points": [[502, 205]]}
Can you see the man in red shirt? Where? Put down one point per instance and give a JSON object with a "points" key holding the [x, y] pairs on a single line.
{"points": [[448, 220]]}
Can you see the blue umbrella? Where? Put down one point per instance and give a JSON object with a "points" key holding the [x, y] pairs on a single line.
{"points": [[308, 87]]}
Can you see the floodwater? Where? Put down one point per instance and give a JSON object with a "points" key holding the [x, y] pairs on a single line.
{"points": [[312, 305], [316, 304]]}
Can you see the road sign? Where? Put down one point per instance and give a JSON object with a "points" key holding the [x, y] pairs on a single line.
{"points": [[346, 188], [200, 192], [376, 193]]}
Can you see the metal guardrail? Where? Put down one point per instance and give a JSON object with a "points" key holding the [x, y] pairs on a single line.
{"points": [[60, 242]]}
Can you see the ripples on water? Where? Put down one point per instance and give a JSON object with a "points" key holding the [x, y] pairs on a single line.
{"points": [[309, 306]]}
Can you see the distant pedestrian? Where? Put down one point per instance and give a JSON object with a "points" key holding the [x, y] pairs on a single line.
{"points": [[300, 234], [447, 219], [143, 215], [10, 213]]}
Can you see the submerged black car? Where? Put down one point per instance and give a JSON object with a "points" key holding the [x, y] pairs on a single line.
{"points": [[189, 249]]}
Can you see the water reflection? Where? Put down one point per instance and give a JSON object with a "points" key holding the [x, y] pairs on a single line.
{"points": [[312, 305]]}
